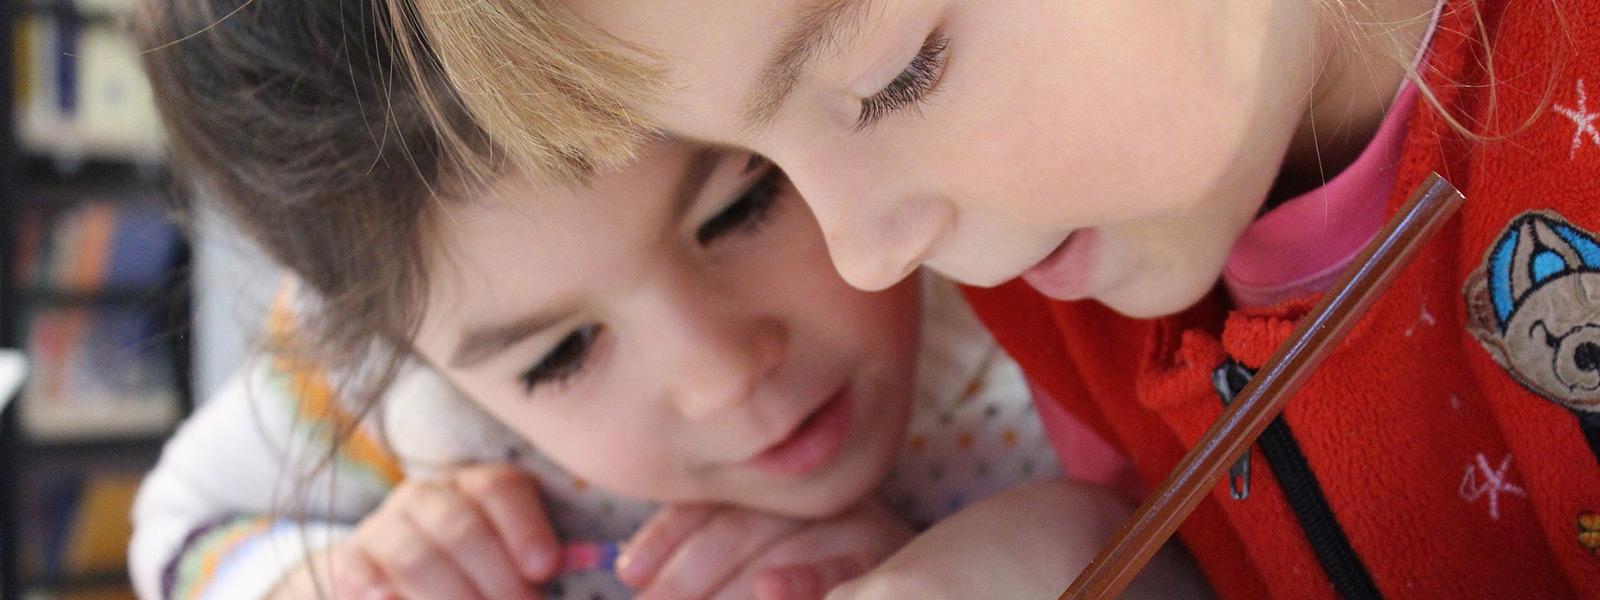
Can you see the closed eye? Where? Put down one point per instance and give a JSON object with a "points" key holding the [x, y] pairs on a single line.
{"points": [[747, 212], [1549, 339], [919, 80], [563, 361]]}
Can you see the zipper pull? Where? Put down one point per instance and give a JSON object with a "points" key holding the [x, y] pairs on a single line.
{"points": [[1229, 379]]}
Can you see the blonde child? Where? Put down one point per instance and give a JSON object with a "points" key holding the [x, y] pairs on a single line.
{"points": [[1146, 194], [469, 362]]}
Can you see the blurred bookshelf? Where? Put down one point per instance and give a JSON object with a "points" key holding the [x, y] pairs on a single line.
{"points": [[94, 291]]}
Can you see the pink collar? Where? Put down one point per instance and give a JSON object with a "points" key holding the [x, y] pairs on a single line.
{"points": [[1301, 246]]}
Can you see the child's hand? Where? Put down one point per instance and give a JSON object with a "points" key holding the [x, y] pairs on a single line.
{"points": [[692, 552], [688, 551], [476, 532], [809, 563], [1028, 542]]}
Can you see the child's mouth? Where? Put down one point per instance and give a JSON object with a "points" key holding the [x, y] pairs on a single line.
{"points": [[813, 443], [1068, 272]]}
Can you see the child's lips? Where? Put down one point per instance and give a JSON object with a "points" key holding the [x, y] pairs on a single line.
{"points": [[813, 442], [1068, 272]]}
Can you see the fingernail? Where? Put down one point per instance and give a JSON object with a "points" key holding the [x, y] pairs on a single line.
{"points": [[788, 582], [539, 562], [632, 567], [771, 585]]}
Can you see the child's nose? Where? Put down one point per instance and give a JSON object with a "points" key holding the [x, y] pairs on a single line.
{"points": [[876, 234], [880, 245], [722, 365]]}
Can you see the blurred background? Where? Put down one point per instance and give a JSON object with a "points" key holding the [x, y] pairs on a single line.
{"points": [[115, 314]]}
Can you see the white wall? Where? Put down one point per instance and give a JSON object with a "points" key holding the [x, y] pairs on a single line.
{"points": [[234, 285]]}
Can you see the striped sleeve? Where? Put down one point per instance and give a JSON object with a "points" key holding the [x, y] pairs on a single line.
{"points": [[242, 557], [250, 485]]}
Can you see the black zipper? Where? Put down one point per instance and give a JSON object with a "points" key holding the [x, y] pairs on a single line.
{"points": [[1339, 561], [1590, 423]]}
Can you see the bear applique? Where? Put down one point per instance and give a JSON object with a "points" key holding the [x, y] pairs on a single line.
{"points": [[1534, 304]]}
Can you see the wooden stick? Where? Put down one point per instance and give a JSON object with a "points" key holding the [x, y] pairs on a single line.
{"points": [[1317, 334]]}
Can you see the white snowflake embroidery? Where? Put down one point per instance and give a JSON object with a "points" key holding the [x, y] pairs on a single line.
{"points": [[1425, 319], [1494, 483], [1583, 120]]}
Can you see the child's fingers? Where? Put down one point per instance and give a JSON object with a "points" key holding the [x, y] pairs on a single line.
{"points": [[339, 570], [509, 498], [414, 567], [896, 585], [716, 552], [649, 548], [809, 581], [454, 525], [792, 582], [355, 577]]}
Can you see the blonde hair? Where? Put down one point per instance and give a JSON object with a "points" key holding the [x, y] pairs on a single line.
{"points": [[1360, 20], [560, 97], [563, 97]]}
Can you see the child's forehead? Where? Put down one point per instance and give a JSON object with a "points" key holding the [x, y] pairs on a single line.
{"points": [[521, 236], [521, 220], [732, 65], [640, 185]]}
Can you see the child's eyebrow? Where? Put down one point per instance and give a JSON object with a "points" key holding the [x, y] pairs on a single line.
{"points": [[817, 27], [693, 180], [478, 345]]}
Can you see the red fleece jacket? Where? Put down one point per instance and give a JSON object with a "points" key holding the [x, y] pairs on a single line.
{"points": [[1446, 437]]}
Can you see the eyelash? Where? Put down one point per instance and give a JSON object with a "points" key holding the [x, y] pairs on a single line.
{"points": [[564, 361], [745, 214], [911, 86]]}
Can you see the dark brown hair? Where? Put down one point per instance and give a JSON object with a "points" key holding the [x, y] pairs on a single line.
{"points": [[293, 119]]}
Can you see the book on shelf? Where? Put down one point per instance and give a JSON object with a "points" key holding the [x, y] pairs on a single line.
{"points": [[99, 372], [83, 527], [81, 92], [105, 8], [142, 251], [100, 369], [96, 245], [29, 243], [100, 528]]}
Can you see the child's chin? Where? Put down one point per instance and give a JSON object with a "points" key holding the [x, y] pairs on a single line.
{"points": [[1152, 296], [839, 491], [822, 508]]}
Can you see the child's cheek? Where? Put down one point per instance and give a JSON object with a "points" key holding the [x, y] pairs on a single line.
{"points": [[615, 447]]}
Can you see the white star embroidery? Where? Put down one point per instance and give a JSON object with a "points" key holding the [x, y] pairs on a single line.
{"points": [[1425, 319], [1582, 119], [1494, 483]]}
